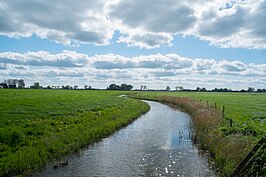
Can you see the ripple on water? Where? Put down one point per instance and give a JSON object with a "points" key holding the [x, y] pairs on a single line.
{"points": [[156, 144]]}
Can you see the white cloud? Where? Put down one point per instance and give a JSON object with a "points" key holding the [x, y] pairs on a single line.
{"points": [[146, 24], [150, 14], [147, 40], [227, 23], [61, 21], [43, 58], [156, 70]]}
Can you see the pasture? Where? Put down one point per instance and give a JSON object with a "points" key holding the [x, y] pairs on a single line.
{"points": [[37, 126], [245, 109]]}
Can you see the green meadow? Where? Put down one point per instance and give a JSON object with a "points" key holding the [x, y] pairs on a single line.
{"points": [[37, 126], [247, 110]]}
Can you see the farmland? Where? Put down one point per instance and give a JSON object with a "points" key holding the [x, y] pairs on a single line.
{"points": [[37, 126], [243, 108]]}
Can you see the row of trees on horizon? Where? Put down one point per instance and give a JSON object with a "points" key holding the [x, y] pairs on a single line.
{"points": [[15, 83]]}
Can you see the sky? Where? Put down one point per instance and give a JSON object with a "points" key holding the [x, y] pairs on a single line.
{"points": [[189, 43]]}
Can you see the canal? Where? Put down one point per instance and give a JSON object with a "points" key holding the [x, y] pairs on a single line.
{"points": [[156, 144]]}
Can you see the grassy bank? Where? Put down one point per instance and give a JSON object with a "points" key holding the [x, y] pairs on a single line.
{"points": [[226, 144], [247, 110], [39, 125]]}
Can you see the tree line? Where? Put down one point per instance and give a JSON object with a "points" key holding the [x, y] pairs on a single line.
{"points": [[119, 87], [20, 83]]}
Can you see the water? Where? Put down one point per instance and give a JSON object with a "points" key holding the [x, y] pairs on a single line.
{"points": [[156, 144]]}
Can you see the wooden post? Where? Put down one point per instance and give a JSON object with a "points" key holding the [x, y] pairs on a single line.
{"points": [[245, 163], [223, 110], [215, 106], [230, 122], [207, 102]]}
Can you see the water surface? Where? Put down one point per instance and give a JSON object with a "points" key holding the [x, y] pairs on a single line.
{"points": [[156, 144]]}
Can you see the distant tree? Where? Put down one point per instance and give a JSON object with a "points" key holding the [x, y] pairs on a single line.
{"points": [[49, 87], [123, 87], [168, 88], [261, 90], [113, 87], [203, 90], [225, 90], [12, 83], [75, 87], [129, 87], [198, 89], [21, 83], [117, 87], [221, 90], [126, 87], [36, 85], [143, 87], [242, 90], [85, 87], [179, 88], [251, 89]]}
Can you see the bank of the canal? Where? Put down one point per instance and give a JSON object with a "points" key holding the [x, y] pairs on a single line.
{"points": [[156, 144]]}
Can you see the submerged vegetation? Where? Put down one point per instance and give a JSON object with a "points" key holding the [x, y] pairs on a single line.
{"points": [[226, 125], [37, 126]]}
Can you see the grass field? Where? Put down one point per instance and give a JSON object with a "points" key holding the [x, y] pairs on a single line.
{"points": [[39, 125], [245, 109]]}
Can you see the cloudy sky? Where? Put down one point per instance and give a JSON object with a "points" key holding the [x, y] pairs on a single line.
{"points": [[210, 43]]}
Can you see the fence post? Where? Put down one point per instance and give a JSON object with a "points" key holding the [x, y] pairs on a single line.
{"points": [[215, 106], [223, 110], [246, 162], [230, 122]]}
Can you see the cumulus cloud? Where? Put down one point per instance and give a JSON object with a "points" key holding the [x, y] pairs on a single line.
{"points": [[235, 66], [43, 58], [146, 40], [235, 24], [156, 70], [61, 21], [228, 23], [151, 13], [145, 24]]}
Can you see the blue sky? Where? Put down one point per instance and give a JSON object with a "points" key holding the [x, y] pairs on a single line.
{"points": [[153, 43], [185, 46]]}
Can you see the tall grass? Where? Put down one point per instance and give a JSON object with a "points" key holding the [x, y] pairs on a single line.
{"points": [[226, 151]]}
